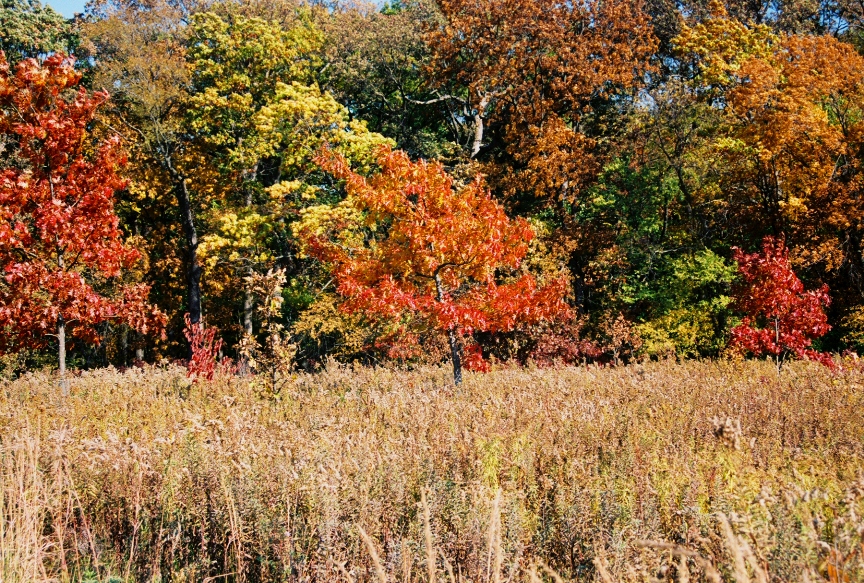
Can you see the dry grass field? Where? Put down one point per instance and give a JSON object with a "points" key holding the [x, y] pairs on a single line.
{"points": [[673, 472]]}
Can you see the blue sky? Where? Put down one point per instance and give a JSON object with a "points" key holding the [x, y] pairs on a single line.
{"points": [[67, 8]]}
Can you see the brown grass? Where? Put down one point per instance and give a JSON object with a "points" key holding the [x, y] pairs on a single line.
{"points": [[672, 472]]}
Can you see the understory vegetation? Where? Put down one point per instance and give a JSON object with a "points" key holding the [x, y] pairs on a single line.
{"points": [[664, 471]]}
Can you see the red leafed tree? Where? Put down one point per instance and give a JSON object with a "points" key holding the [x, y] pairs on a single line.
{"points": [[205, 348], [781, 318], [429, 254], [60, 243]]}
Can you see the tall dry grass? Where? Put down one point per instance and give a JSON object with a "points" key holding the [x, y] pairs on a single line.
{"points": [[663, 471]]}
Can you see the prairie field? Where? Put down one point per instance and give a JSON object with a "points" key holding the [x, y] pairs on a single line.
{"points": [[659, 471]]}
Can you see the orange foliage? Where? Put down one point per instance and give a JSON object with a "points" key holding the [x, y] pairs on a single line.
{"points": [[534, 67], [430, 254]]}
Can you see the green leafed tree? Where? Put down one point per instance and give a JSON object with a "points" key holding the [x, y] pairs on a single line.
{"points": [[30, 30]]}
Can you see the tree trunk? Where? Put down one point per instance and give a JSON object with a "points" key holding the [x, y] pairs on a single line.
{"points": [[124, 344], [61, 349], [853, 251], [193, 268], [61, 338], [248, 303], [777, 341], [478, 135], [455, 355], [478, 127], [248, 300], [575, 266]]}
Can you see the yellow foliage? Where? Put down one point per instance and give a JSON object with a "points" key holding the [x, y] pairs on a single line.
{"points": [[301, 119], [335, 219], [236, 236], [722, 44], [853, 327], [683, 332], [324, 321]]}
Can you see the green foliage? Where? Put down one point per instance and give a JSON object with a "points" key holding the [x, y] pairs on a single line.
{"points": [[376, 67], [677, 292], [30, 30], [690, 312]]}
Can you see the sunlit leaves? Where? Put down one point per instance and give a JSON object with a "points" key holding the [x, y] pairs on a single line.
{"points": [[428, 254], [59, 236]]}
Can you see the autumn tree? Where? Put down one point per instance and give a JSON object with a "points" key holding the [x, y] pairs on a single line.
{"points": [[410, 248], [238, 65], [376, 66], [790, 106], [534, 81], [256, 109], [781, 319], [788, 156], [535, 69], [61, 247]]}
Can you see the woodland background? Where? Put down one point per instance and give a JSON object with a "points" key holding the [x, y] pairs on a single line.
{"points": [[642, 141]]}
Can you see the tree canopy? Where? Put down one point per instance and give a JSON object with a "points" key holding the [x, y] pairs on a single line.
{"points": [[624, 148]]}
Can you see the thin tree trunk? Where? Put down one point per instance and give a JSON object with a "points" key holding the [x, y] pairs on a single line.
{"points": [[61, 349], [248, 300], [856, 258], [247, 327], [575, 266], [193, 268], [124, 344], [248, 303], [478, 135], [478, 127], [61, 338], [777, 341], [455, 355]]}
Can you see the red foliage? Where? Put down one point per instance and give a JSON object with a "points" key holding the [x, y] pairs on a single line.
{"points": [[432, 253], [564, 344], [781, 318], [473, 359], [58, 230], [205, 346]]}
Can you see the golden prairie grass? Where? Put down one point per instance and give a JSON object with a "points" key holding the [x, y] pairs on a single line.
{"points": [[701, 471]]}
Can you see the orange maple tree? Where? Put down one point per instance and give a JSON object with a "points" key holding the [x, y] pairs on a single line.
{"points": [[431, 256], [59, 236]]}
